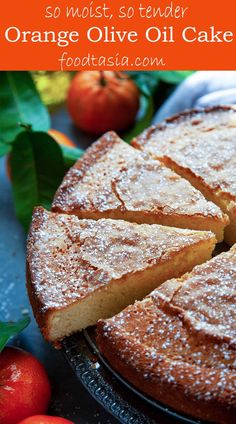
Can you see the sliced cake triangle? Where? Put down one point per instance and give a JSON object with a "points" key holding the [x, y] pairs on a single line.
{"points": [[114, 180], [82, 270], [200, 145]]}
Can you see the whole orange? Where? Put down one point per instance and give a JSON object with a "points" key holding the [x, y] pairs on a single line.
{"points": [[24, 386], [102, 101], [61, 138], [45, 419]]}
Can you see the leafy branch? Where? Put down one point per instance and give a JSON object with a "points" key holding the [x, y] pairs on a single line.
{"points": [[10, 329], [37, 162]]}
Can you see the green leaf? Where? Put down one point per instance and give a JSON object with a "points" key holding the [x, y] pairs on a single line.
{"points": [[20, 103], [10, 329], [5, 148], [174, 77], [37, 168], [150, 88], [144, 118], [146, 81], [70, 155]]}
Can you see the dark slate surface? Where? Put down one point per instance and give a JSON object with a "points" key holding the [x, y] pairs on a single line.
{"points": [[70, 399]]}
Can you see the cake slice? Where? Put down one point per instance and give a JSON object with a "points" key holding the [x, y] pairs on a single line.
{"points": [[82, 270], [200, 145], [179, 344], [114, 180]]}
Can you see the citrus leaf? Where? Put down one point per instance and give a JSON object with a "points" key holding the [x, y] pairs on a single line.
{"points": [[5, 148], [144, 118], [37, 168], [10, 329], [147, 81], [174, 77], [20, 103]]}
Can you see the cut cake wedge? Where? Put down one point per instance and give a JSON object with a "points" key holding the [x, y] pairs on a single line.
{"points": [[200, 145], [114, 180], [79, 271], [179, 344]]}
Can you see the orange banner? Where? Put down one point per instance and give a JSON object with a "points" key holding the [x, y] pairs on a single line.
{"points": [[128, 34]]}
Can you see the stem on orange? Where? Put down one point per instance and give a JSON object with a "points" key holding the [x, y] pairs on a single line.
{"points": [[103, 81]]}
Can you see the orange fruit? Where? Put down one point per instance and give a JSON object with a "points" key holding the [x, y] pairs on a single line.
{"points": [[61, 138], [45, 419], [99, 101], [24, 386]]}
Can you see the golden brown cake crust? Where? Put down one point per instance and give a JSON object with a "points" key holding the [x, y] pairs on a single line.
{"points": [[200, 146], [203, 141], [113, 178], [92, 155], [69, 259], [179, 344]]}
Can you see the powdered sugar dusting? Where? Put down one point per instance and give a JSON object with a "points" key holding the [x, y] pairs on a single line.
{"points": [[122, 178], [204, 144], [184, 333], [70, 258]]}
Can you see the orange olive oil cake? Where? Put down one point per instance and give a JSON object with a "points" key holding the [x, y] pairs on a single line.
{"points": [[114, 180], [179, 344], [81, 270], [200, 145]]}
